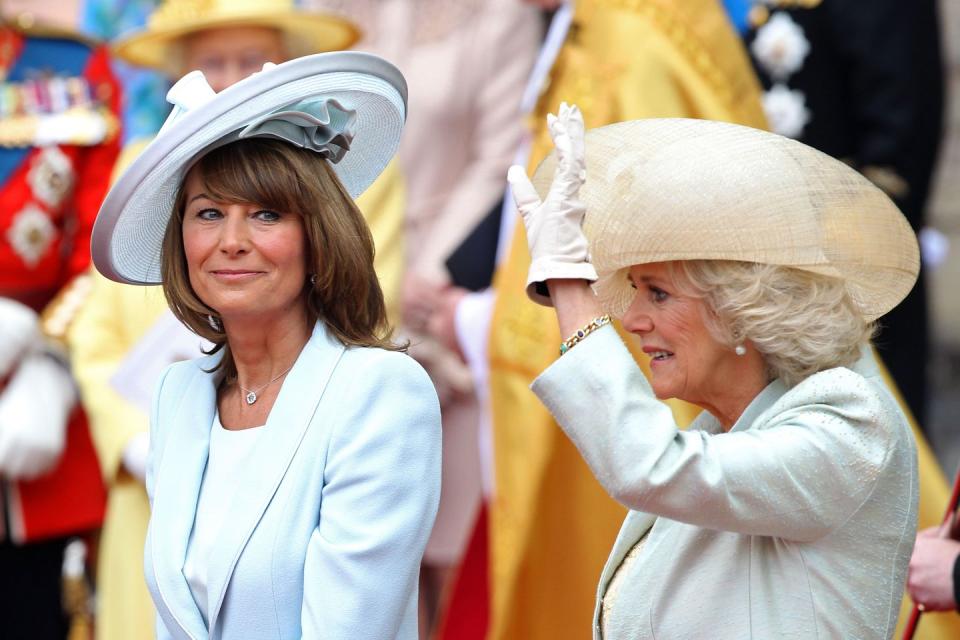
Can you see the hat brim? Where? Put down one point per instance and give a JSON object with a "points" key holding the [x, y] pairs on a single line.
{"points": [[305, 33], [660, 190], [129, 229]]}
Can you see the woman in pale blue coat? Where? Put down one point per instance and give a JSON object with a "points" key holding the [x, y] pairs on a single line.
{"points": [[293, 473], [750, 268]]}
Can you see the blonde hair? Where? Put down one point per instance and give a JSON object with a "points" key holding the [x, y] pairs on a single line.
{"points": [[800, 322], [346, 292]]}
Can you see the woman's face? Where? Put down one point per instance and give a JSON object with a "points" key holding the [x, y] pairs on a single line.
{"points": [[244, 260], [687, 362], [227, 55]]}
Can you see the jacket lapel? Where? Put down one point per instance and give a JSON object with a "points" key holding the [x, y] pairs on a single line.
{"points": [[286, 425], [176, 493]]}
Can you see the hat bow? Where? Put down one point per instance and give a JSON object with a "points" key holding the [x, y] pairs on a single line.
{"points": [[321, 125]]}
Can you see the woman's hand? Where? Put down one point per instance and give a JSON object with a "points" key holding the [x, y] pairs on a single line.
{"points": [[443, 321], [558, 248], [419, 299]]}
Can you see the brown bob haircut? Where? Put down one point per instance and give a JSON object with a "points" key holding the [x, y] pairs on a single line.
{"points": [[340, 250]]}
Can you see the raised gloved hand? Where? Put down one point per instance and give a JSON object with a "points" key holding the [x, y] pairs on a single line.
{"points": [[19, 331], [34, 409], [558, 248]]}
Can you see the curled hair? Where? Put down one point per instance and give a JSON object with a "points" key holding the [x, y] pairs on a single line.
{"points": [[800, 322], [346, 293]]}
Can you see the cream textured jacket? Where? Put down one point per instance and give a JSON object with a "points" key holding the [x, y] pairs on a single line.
{"points": [[798, 523]]}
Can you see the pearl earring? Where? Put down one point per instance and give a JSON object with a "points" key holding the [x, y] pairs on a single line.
{"points": [[740, 350]]}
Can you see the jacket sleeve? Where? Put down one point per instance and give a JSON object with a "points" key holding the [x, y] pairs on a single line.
{"points": [[798, 476], [380, 497]]}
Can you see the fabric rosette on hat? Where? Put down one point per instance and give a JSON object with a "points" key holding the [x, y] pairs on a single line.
{"points": [[349, 107], [660, 190]]}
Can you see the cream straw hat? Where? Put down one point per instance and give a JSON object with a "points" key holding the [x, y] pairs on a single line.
{"points": [[677, 189], [305, 32]]}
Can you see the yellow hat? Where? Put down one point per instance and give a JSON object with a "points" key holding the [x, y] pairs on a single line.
{"points": [[305, 32]]}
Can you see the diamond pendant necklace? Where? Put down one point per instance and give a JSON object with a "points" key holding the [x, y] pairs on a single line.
{"points": [[251, 396]]}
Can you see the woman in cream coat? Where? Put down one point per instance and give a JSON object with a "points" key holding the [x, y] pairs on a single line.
{"points": [[294, 473], [751, 268]]}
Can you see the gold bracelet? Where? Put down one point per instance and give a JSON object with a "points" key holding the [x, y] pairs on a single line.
{"points": [[589, 328]]}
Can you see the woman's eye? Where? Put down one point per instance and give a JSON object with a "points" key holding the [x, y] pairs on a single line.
{"points": [[658, 295], [265, 215], [209, 214]]}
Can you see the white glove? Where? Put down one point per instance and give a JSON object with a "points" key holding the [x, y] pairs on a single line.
{"points": [[135, 455], [34, 409], [558, 248], [19, 331]]}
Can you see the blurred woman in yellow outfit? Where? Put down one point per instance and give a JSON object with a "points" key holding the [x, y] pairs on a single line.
{"points": [[227, 41]]}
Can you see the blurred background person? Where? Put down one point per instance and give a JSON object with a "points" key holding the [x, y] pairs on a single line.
{"points": [[466, 64], [59, 139], [113, 327], [865, 86]]}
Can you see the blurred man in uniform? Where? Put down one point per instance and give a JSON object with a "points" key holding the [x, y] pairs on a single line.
{"points": [[862, 83], [58, 144]]}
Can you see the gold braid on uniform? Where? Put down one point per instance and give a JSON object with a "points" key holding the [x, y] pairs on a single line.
{"points": [[669, 21], [58, 315]]}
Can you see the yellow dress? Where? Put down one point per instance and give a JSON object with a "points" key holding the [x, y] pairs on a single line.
{"points": [[111, 320], [551, 524]]}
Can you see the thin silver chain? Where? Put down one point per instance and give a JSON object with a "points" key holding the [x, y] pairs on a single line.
{"points": [[250, 395]]}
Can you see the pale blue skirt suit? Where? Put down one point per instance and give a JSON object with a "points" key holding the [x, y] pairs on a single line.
{"points": [[327, 528]]}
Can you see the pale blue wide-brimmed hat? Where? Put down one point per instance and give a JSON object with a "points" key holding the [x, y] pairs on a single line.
{"points": [[347, 106]]}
